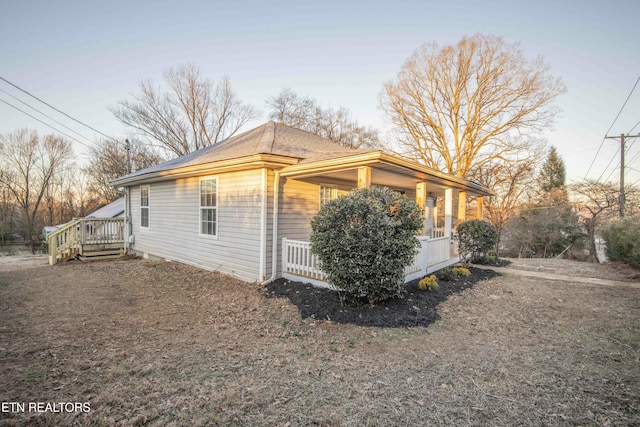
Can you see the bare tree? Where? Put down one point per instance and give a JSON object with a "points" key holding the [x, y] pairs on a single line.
{"points": [[69, 196], [191, 114], [511, 180], [29, 165], [457, 108], [336, 125], [594, 202], [109, 161]]}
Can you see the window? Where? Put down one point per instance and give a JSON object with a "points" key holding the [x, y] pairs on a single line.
{"points": [[327, 193], [144, 207], [209, 206]]}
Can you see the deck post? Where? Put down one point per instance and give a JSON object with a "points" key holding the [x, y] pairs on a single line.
{"points": [[364, 177]]}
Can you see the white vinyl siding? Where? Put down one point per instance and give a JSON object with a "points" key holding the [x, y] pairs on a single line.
{"points": [[144, 206], [209, 206], [175, 232]]}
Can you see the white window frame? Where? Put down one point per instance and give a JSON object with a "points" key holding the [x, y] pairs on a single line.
{"points": [[146, 207], [333, 194], [214, 207]]}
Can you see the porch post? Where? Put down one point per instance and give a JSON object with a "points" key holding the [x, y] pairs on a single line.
{"points": [[448, 211], [364, 177], [479, 207], [462, 206], [421, 199]]}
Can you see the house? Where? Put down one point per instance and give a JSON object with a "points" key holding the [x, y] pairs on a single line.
{"points": [[244, 206]]}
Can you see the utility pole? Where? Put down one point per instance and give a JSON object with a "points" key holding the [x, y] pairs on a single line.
{"points": [[127, 147], [622, 148]]}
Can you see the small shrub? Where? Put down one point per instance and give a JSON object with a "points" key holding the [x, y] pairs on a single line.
{"points": [[490, 258], [446, 274], [429, 283], [461, 272], [623, 240], [475, 239], [451, 274]]}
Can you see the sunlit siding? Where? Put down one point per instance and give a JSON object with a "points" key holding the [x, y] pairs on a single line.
{"points": [[302, 202], [174, 226]]}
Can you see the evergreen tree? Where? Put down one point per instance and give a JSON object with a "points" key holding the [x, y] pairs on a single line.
{"points": [[551, 180]]}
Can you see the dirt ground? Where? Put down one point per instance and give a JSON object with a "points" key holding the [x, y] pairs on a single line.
{"points": [[156, 343]]}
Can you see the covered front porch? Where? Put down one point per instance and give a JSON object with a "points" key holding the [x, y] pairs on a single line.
{"points": [[445, 199]]}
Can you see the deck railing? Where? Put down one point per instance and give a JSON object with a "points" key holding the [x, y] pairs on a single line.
{"points": [[298, 263], [82, 234]]}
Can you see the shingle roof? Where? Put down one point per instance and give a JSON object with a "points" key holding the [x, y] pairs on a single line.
{"points": [[269, 138]]}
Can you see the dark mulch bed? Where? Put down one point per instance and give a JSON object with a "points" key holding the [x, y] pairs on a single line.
{"points": [[417, 308]]}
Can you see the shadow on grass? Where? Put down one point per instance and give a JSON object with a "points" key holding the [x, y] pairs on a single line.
{"points": [[417, 308]]}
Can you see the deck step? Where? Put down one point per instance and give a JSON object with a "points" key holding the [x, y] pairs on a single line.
{"points": [[112, 253]]}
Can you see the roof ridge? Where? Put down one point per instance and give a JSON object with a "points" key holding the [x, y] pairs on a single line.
{"points": [[268, 138]]}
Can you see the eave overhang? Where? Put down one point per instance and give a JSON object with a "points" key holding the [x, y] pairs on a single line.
{"points": [[257, 161]]}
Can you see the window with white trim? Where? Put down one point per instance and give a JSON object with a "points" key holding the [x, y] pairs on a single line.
{"points": [[209, 206], [144, 206], [327, 193]]}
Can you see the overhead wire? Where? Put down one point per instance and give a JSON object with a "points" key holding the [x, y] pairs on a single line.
{"points": [[58, 110], [45, 115], [46, 124], [610, 127], [607, 167]]}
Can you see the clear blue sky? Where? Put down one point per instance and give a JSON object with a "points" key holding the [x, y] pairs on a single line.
{"points": [[83, 56]]}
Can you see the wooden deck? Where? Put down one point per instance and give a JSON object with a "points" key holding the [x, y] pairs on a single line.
{"points": [[85, 238]]}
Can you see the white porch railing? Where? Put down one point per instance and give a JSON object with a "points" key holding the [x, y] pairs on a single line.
{"points": [[297, 260], [437, 232], [298, 263]]}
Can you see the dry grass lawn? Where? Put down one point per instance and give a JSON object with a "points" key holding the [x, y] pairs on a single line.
{"points": [[156, 343]]}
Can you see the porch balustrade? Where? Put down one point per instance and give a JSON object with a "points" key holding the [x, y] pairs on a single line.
{"points": [[299, 264]]}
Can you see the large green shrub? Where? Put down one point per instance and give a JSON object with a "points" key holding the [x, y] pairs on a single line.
{"points": [[623, 240], [475, 239], [364, 240]]}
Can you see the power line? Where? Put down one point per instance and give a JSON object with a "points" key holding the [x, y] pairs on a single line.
{"points": [[48, 117], [609, 164], [633, 159], [44, 123], [59, 111], [608, 130]]}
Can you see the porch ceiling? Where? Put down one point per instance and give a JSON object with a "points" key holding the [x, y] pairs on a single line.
{"points": [[380, 175], [388, 171]]}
